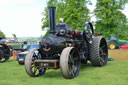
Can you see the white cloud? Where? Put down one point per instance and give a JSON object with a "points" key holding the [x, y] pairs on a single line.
{"points": [[20, 20], [125, 11], [26, 22], [6, 2], [3, 2], [22, 1], [91, 8]]}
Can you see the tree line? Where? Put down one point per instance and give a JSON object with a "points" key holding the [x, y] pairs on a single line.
{"points": [[2, 34], [109, 17]]}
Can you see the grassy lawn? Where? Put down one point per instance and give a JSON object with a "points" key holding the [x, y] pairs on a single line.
{"points": [[12, 44], [115, 73]]}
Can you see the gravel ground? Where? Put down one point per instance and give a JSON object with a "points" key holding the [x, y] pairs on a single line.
{"points": [[117, 54]]}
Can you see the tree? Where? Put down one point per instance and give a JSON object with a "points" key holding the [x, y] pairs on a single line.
{"points": [[74, 12], [2, 34], [123, 32], [110, 19]]}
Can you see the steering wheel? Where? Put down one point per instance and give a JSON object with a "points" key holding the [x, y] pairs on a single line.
{"points": [[88, 32]]}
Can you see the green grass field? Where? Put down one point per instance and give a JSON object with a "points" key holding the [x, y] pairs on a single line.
{"points": [[12, 44], [115, 73]]}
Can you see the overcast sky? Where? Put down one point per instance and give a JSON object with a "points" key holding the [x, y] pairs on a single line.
{"points": [[23, 17]]}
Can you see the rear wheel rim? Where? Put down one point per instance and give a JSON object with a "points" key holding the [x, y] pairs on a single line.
{"points": [[103, 53]]}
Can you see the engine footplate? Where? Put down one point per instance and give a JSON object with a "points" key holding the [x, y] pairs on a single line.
{"points": [[46, 64]]}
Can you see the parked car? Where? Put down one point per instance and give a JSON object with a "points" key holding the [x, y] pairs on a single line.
{"points": [[11, 41], [21, 56], [124, 46], [4, 41]]}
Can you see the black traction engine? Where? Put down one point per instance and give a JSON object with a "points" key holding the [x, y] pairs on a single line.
{"points": [[66, 49]]}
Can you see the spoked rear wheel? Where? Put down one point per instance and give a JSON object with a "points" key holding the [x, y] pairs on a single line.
{"points": [[4, 53], [70, 62], [29, 65], [99, 52]]}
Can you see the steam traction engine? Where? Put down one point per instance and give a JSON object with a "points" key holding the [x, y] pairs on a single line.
{"points": [[66, 49], [4, 51]]}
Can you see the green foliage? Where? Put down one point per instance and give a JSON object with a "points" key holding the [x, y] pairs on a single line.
{"points": [[47, 34], [74, 12], [2, 34], [45, 19], [123, 32], [110, 19]]}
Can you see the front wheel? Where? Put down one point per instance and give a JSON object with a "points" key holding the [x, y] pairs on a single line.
{"points": [[70, 62], [29, 65]]}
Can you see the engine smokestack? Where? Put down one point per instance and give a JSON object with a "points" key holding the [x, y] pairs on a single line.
{"points": [[52, 19]]}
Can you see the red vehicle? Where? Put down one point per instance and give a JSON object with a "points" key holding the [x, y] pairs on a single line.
{"points": [[124, 46]]}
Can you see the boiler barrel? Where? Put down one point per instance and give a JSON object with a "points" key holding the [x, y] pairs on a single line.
{"points": [[50, 45]]}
